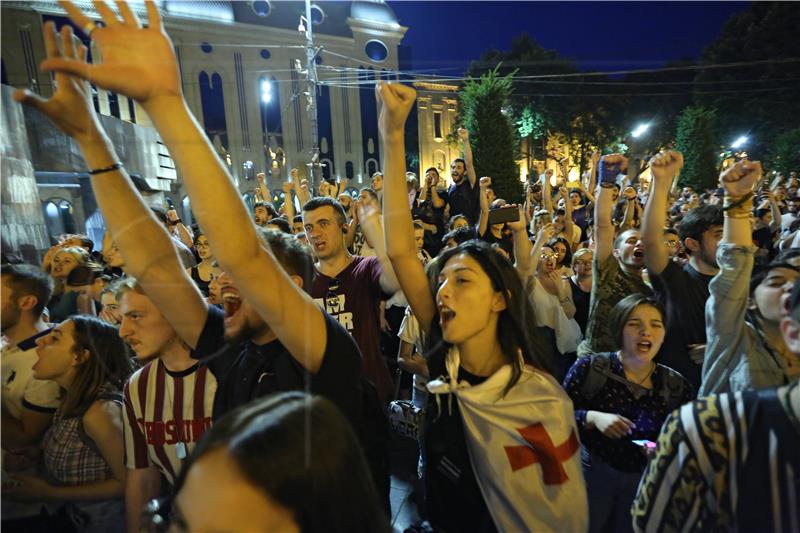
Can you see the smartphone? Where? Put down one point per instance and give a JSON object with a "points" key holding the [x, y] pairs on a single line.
{"points": [[645, 444], [608, 172], [501, 215]]}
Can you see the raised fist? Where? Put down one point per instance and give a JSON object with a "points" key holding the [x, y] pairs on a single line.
{"points": [[463, 134], [629, 193], [741, 178], [396, 100], [665, 165], [293, 173], [172, 215], [287, 187], [261, 177], [304, 184], [485, 182]]}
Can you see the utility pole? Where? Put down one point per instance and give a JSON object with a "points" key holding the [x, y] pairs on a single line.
{"points": [[311, 98]]}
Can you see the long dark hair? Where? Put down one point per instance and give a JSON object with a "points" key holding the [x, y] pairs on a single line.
{"points": [[108, 366], [517, 331], [301, 451]]}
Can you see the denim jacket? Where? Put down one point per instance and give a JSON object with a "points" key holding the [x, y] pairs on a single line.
{"points": [[737, 357]]}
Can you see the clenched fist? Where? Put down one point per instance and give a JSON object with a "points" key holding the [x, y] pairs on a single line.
{"points": [[741, 178]]}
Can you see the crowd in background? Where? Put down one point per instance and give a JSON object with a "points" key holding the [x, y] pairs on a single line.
{"points": [[605, 354]]}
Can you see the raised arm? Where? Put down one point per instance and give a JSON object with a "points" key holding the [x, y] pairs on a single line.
{"points": [[396, 100], [545, 234], [471, 175], [603, 228], [372, 228], [547, 194], [728, 338], [288, 201], [522, 244], [483, 218], [149, 253], [140, 63], [775, 225], [662, 167], [569, 225]]}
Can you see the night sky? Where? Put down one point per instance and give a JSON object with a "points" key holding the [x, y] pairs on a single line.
{"points": [[599, 36]]}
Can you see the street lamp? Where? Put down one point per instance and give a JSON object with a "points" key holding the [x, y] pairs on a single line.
{"points": [[640, 130], [738, 143]]}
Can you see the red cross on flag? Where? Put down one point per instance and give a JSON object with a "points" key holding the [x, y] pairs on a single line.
{"points": [[523, 448]]}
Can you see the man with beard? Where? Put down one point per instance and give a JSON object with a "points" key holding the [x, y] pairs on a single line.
{"points": [[682, 290], [463, 195], [28, 404], [263, 213], [616, 266]]}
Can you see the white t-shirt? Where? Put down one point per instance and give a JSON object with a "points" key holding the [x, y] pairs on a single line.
{"points": [[409, 332], [20, 388]]}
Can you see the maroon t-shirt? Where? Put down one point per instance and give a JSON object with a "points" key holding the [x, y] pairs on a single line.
{"points": [[353, 298]]}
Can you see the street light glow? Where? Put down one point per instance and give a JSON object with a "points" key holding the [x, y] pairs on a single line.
{"points": [[266, 91], [738, 143], [640, 130]]}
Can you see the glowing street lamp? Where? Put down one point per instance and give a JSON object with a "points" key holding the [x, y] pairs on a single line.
{"points": [[640, 130], [738, 143], [266, 91]]}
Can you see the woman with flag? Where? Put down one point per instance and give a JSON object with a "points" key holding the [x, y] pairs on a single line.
{"points": [[501, 441]]}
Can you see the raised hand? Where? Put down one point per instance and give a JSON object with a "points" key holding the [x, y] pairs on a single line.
{"points": [[546, 232], [366, 209], [137, 62], [741, 178], [463, 134], [287, 187], [517, 225], [485, 182], [396, 101], [665, 165], [261, 177], [70, 108]]}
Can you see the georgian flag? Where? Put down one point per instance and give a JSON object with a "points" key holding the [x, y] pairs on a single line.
{"points": [[523, 447]]}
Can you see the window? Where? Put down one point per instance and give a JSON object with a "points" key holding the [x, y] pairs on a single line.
{"points": [[376, 50], [261, 8], [437, 125], [58, 217]]}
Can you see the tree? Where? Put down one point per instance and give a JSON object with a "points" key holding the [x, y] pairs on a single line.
{"points": [[697, 142], [759, 100], [492, 136], [784, 155]]}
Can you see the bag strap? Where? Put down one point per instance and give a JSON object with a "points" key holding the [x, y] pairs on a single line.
{"points": [[599, 369], [672, 387]]}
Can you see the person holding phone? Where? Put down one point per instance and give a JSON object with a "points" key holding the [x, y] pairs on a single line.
{"points": [[621, 397], [492, 220]]}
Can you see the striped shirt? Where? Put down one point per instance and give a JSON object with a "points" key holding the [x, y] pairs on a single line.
{"points": [[725, 463], [165, 412]]}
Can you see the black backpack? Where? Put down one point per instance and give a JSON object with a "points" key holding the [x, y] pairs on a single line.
{"points": [[673, 385]]}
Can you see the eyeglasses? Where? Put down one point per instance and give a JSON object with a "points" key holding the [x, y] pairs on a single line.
{"points": [[671, 244], [549, 256]]}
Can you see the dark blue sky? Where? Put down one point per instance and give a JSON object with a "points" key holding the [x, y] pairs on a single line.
{"points": [[445, 36]]}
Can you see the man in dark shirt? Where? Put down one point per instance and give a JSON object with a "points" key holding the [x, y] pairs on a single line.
{"points": [[683, 290], [463, 194], [350, 288]]}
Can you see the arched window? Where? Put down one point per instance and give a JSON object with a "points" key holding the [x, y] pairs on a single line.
{"points": [[249, 201], [348, 170], [58, 216], [372, 167]]}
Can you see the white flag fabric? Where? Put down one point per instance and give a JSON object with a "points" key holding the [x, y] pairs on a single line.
{"points": [[523, 447]]}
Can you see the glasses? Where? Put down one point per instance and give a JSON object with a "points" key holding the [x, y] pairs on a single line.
{"points": [[671, 244], [549, 256]]}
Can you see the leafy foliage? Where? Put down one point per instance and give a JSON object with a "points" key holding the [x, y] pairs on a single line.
{"points": [[784, 153], [696, 140], [492, 133]]}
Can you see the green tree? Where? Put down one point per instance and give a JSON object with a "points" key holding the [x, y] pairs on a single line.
{"points": [[697, 142], [784, 155], [484, 112]]}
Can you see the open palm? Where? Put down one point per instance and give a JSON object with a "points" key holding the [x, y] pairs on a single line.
{"points": [[136, 62]]}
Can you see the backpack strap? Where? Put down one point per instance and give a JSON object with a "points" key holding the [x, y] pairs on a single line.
{"points": [[599, 369], [673, 387]]}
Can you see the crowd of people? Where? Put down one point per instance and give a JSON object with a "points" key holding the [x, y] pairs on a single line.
{"points": [[612, 354]]}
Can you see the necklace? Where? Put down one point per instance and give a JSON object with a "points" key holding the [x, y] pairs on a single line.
{"points": [[650, 373], [180, 446]]}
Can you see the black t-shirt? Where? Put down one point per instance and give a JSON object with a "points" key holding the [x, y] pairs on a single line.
{"points": [[454, 499], [684, 292], [506, 241], [464, 200], [246, 371], [581, 300]]}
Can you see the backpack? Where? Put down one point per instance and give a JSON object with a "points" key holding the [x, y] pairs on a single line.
{"points": [[673, 385]]}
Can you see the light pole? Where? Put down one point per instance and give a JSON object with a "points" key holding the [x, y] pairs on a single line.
{"points": [[305, 26], [635, 158]]}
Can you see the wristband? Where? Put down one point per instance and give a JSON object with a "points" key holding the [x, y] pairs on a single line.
{"points": [[115, 166], [175, 222], [732, 202]]}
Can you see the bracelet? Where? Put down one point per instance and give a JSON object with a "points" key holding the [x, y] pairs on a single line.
{"points": [[732, 202], [175, 222], [115, 166]]}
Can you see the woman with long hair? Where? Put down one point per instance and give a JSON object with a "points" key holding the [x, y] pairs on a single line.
{"points": [[288, 462], [621, 398], [84, 449], [492, 392]]}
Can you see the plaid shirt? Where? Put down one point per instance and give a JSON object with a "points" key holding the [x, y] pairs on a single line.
{"points": [[70, 456]]}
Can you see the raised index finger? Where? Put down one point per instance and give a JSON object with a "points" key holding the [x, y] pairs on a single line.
{"points": [[75, 14], [153, 16]]}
